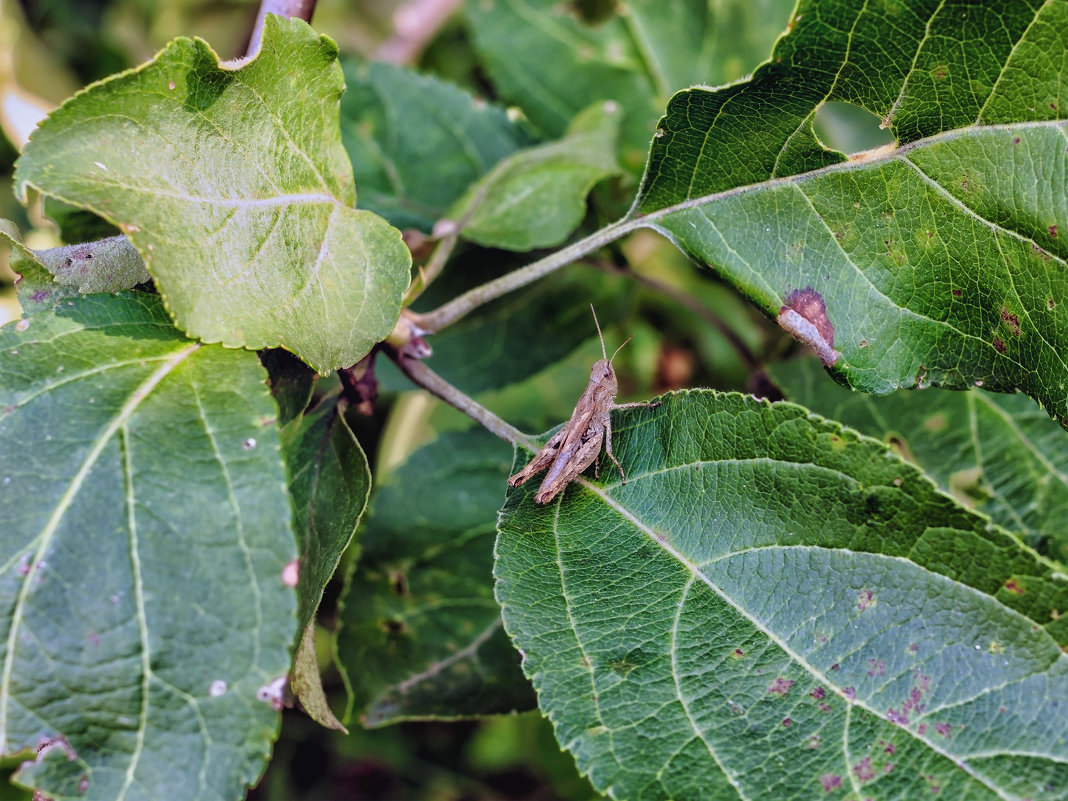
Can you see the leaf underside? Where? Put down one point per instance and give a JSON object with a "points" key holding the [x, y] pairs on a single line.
{"points": [[145, 532], [792, 610]]}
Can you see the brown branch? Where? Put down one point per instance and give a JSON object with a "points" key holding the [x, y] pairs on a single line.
{"points": [[423, 376], [301, 9], [414, 24]]}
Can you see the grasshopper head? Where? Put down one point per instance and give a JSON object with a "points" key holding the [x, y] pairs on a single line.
{"points": [[604, 375]]}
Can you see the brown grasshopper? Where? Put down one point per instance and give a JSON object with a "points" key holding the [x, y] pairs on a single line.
{"points": [[575, 446]]}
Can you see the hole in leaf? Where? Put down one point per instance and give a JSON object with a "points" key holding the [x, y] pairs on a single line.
{"points": [[849, 128]]}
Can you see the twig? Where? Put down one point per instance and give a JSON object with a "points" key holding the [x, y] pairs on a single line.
{"points": [[414, 24], [302, 9], [424, 377], [443, 316]]}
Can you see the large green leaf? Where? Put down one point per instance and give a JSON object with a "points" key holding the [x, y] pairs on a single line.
{"points": [[421, 635], [773, 606], [999, 454], [554, 61], [234, 186], [145, 621], [417, 142], [938, 261]]}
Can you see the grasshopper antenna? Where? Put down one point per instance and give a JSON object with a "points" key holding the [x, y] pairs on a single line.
{"points": [[600, 335]]}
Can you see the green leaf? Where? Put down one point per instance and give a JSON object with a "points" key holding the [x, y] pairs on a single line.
{"points": [[998, 454], [107, 265], [417, 142], [795, 612], [935, 262], [36, 287], [233, 185], [553, 61], [420, 633], [146, 624], [329, 484], [536, 197]]}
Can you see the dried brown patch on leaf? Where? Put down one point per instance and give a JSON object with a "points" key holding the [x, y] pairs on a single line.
{"points": [[804, 317]]}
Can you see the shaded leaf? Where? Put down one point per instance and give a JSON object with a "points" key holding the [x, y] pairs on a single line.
{"points": [[553, 61], [420, 633], [998, 454], [233, 185], [936, 262], [536, 197], [329, 482], [525, 331], [146, 622], [792, 611], [292, 383], [417, 142]]}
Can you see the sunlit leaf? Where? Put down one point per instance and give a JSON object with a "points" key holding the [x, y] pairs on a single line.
{"points": [[232, 183]]}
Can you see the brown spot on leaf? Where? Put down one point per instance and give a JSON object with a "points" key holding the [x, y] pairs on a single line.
{"points": [[1012, 322], [819, 693], [999, 346], [393, 626], [780, 686], [830, 781], [804, 316], [957, 293], [863, 770], [866, 599], [399, 583], [1014, 587], [1016, 140], [787, 723], [1053, 231]]}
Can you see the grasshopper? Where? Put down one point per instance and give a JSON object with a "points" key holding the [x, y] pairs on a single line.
{"points": [[578, 444]]}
